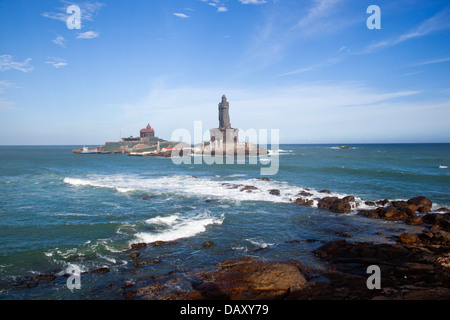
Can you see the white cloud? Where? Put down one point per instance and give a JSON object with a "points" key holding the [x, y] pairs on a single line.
{"points": [[88, 35], [7, 63], [338, 56], [57, 62], [60, 41], [180, 15], [252, 1], [56, 16], [432, 61], [440, 21], [324, 16], [89, 10], [217, 4]]}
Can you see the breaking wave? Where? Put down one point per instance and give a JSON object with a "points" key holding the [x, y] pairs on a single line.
{"points": [[175, 227], [223, 189]]}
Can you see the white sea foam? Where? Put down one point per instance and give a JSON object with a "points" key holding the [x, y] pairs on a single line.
{"points": [[180, 227], [225, 189], [170, 220], [203, 187], [109, 259], [279, 152], [260, 243], [443, 167], [103, 182]]}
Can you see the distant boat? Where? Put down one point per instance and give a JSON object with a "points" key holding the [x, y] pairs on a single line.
{"points": [[87, 150], [345, 147]]}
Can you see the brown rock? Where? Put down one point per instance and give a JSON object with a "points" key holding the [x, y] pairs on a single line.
{"points": [[408, 272], [249, 188], [414, 221], [410, 212], [388, 212], [442, 268], [160, 243], [393, 214], [143, 263], [139, 245], [208, 244], [304, 193], [304, 202], [134, 255], [325, 191], [436, 237], [399, 204], [423, 204], [251, 279], [373, 213], [382, 202], [274, 192], [349, 198], [420, 201], [151, 292], [438, 220], [46, 277], [335, 204], [424, 209], [101, 270], [407, 238]]}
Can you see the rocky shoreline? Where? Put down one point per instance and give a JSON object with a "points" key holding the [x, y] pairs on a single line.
{"points": [[416, 267]]}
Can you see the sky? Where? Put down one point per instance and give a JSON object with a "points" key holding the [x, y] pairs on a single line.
{"points": [[313, 69]]}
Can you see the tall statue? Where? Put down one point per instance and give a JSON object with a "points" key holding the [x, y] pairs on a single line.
{"points": [[224, 117]]}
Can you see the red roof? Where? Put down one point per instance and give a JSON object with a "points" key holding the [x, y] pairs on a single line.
{"points": [[147, 129]]}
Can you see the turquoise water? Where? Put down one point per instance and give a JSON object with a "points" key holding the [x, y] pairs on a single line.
{"points": [[59, 209]]}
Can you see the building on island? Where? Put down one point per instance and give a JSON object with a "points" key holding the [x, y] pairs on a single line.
{"points": [[147, 132], [146, 143]]}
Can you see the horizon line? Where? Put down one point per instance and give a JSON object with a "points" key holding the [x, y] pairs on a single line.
{"points": [[295, 143]]}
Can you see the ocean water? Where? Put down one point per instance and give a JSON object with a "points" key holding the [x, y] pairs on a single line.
{"points": [[59, 209]]}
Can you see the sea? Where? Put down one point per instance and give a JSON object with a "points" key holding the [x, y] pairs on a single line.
{"points": [[61, 211]]}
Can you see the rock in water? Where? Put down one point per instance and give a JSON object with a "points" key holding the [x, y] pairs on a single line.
{"points": [[101, 270], [275, 192], [335, 204], [423, 204], [407, 238], [208, 244], [304, 202], [249, 278]]}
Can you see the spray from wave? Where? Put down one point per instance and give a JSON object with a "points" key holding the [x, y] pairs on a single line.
{"points": [[175, 227]]}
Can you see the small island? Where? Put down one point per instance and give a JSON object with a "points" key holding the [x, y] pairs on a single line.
{"points": [[224, 140]]}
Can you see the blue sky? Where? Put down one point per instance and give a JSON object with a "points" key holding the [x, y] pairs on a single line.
{"points": [[311, 69]]}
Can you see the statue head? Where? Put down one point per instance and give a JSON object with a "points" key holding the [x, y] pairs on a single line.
{"points": [[224, 98]]}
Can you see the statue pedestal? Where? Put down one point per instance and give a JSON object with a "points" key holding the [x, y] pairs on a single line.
{"points": [[222, 135]]}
